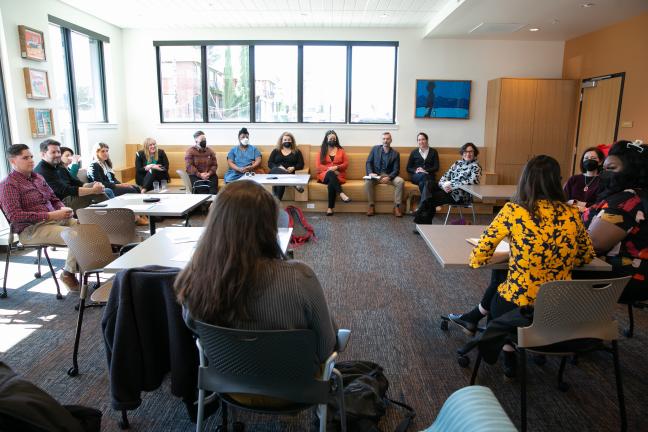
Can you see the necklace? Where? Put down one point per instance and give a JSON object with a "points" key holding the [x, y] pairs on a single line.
{"points": [[587, 184]]}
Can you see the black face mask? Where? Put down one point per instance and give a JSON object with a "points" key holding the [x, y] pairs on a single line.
{"points": [[331, 143], [612, 182], [590, 165], [203, 144], [287, 144]]}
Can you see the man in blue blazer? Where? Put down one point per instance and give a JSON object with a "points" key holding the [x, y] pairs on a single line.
{"points": [[383, 165]]}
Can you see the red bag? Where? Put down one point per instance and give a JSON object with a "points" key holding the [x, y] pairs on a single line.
{"points": [[302, 230]]}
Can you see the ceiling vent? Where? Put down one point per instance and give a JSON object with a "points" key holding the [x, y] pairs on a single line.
{"points": [[490, 28]]}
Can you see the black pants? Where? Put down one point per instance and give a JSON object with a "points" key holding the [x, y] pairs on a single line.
{"points": [[278, 191], [497, 277], [438, 197], [213, 183], [153, 176], [334, 187], [125, 190], [425, 183]]}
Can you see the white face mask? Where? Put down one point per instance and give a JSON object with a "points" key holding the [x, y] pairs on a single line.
{"points": [[245, 142]]}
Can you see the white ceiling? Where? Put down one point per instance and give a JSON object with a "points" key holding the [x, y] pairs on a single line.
{"points": [[556, 19]]}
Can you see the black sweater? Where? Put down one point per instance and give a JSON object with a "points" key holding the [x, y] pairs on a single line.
{"points": [[59, 179], [97, 174], [292, 160], [141, 161], [430, 164]]}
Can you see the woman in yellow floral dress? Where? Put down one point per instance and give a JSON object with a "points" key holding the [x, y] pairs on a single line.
{"points": [[547, 240]]}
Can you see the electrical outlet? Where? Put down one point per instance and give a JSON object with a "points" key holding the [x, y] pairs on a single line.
{"points": [[310, 205]]}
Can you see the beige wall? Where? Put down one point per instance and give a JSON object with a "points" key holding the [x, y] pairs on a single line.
{"points": [[617, 48]]}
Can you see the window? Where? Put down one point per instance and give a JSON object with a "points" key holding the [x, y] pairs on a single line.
{"points": [[325, 87], [79, 78], [277, 81]]}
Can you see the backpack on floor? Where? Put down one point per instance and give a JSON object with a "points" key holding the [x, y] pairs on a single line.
{"points": [[302, 230], [365, 398], [200, 187], [425, 212]]}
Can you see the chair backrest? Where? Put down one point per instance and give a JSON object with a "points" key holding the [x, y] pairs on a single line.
{"points": [[275, 363], [90, 246], [574, 309], [82, 175], [10, 234], [186, 181], [117, 223]]}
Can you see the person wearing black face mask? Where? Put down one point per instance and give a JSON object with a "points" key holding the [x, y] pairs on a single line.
{"points": [[582, 189], [331, 168], [201, 165], [617, 223], [285, 159]]}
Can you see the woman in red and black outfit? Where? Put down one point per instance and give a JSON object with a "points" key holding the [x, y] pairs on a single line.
{"points": [[331, 169]]}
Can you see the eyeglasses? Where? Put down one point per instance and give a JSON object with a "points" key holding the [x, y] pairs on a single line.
{"points": [[637, 145]]}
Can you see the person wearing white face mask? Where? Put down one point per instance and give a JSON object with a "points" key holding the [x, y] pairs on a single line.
{"points": [[242, 158]]}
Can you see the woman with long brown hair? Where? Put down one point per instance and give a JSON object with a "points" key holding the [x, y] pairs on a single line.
{"points": [[331, 168], [239, 278], [286, 158]]}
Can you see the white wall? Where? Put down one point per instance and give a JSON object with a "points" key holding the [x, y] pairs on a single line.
{"points": [[33, 13], [478, 61]]}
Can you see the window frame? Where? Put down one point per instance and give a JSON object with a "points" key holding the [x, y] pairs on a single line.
{"points": [[300, 76], [66, 35]]}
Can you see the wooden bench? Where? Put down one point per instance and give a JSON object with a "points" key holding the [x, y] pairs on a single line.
{"points": [[314, 198]]}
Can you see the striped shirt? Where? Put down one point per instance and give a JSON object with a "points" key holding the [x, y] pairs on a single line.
{"points": [[27, 200]]}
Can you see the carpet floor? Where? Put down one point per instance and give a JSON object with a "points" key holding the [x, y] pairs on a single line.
{"points": [[382, 282]]}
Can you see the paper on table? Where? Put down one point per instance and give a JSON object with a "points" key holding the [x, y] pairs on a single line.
{"points": [[132, 197], [185, 238], [140, 207]]}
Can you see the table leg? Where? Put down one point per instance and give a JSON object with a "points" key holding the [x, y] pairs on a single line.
{"points": [[152, 224]]}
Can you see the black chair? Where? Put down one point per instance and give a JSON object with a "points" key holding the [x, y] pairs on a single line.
{"points": [[271, 363], [571, 317], [40, 249]]}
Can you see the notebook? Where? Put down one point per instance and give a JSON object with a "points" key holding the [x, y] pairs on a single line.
{"points": [[502, 251]]}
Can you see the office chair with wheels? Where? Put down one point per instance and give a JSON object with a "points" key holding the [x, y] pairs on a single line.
{"points": [[571, 317], [269, 363]]}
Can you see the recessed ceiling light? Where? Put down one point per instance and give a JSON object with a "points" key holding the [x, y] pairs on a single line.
{"points": [[534, 29], [587, 5]]}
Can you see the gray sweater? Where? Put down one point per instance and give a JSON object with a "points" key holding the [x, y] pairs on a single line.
{"points": [[290, 297]]}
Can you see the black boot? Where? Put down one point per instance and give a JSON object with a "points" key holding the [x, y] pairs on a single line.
{"points": [[510, 364]]}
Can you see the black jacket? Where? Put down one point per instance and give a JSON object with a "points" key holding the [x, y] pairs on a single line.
{"points": [[140, 163], [59, 179], [430, 164], [97, 174], [146, 337], [393, 161]]}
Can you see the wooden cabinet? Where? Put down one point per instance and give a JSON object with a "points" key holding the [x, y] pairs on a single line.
{"points": [[525, 118]]}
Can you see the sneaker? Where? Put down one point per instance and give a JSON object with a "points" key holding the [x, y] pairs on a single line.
{"points": [[142, 220], [70, 280], [468, 327]]}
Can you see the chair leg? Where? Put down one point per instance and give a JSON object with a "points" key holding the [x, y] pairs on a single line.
{"points": [[341, 407], [6, 273], [523, 396], [445, 222], [74, 370], [223, 416], [619, 385], [39, 254], [123, 423], [562, 385], [49, 263], [201, 410], [473, 378], [630, 331], [472, 208]]}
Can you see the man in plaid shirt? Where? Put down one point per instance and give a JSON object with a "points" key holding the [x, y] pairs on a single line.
{"points": [[33, 210], [201, 164]]}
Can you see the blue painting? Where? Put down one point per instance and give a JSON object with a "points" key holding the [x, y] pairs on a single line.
{"points": [[442, 99]]}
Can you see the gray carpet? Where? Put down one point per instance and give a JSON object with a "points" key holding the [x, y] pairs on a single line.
{"points": [[382, 282]]}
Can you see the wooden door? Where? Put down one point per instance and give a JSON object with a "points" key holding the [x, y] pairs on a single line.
{"points": [[515, 126], [599, 114], [554, 120]]}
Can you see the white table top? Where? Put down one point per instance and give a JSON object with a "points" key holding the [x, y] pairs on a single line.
{"points": [[279, 179], [169, 204], [490, 192], [172, 247], [449, 246]]}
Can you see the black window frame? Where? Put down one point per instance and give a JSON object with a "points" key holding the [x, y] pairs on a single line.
{"points": [[203, 44], [66, 34]]}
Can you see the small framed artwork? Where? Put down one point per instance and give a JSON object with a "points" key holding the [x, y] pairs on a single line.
{"points": [[32, 43], [41, 122], [442, 99], [36, 83]]}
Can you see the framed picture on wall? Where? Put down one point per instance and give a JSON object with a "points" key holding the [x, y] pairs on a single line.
{"points": [[41, 122], [32, 43], [442, 99], [36, 83]]}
